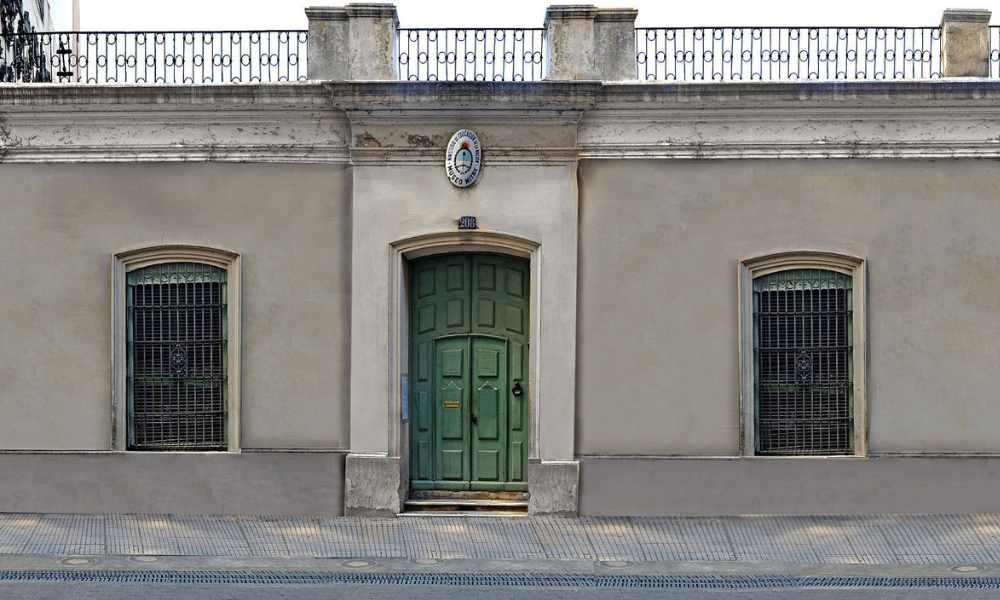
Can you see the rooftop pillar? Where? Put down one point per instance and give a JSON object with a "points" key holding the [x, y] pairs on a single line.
{"points": [[356, 42], [586, 42], [965, 43]]}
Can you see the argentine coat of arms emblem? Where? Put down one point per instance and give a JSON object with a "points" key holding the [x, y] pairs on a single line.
{"points": [[463, 159]]}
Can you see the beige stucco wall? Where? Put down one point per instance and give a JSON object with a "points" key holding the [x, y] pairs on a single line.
{"points": [[657, 369], [60, 226]]}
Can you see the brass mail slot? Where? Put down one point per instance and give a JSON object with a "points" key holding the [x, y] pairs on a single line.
{"points": [[452, 404]]}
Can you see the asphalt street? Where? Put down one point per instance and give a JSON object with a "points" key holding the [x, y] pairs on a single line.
{"points": [[42, 591]]}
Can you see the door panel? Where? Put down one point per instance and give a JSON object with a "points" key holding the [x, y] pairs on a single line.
{"points": [[501, 300], [488, 382], [485, 313], [518, 409], [468, 349], [452, 386], [452, 409], [440, 295], [486, 468], [425, 460], [489, 423], [453, 465], [453, 278]]}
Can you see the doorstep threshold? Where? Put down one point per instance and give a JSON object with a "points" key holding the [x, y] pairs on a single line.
{"points": [[464, 507], [489, 514], [485, 503]]}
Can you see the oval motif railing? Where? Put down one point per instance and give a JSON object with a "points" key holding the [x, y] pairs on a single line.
{"points": [[994, 51], [471, 54], [165, 57], [481, 54], [787, 53]]}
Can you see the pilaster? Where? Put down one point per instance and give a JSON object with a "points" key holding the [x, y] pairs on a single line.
{"points": [[965, 43], [356, 42], [586, 42]]}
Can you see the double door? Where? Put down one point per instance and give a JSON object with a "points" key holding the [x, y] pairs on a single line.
{"points": [[468, 359]]}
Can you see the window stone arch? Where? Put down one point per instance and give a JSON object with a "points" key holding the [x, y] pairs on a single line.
{"points": [[814, 336], [224, 266]]}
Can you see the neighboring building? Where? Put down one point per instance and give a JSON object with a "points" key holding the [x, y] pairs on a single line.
{"points": [[25, 16], [23, 57], [717, 297]]}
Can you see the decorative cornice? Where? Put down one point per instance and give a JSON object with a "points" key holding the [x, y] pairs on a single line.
{"points": [[532, 123], [773, 150], [965, 15], [616, 15], [169, 153], [372, 10], [488, 96], [922, 119], [242, 95], [491, 96], [326, 13], [391, 156], [570, 11], [163, 133], [819, 94]]}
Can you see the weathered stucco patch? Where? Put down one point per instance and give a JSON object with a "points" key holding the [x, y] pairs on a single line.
{"points": [[366, 140]]}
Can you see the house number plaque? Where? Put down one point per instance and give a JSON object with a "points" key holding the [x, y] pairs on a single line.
{"points": [[468, 223]]}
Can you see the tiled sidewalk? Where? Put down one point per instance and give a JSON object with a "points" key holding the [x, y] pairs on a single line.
{"points": [[873, 540]]}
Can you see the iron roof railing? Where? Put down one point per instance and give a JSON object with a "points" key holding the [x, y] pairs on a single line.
{"points": [[471, 54], [787, 53], [166, 57], [994, 50], [481, 54]]}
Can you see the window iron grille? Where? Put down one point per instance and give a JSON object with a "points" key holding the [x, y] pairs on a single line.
{"points": [[176, 357], [803, 371]]}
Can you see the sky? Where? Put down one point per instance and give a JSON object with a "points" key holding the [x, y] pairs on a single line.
{"points": [[150, 15]]}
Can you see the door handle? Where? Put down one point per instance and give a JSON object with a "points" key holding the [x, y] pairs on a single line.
{"points": [[516, 390], [475, 420]]}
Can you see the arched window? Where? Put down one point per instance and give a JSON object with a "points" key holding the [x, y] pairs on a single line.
{"points": [[176, 332], [803, 356], [176, 349], [802, 362]]}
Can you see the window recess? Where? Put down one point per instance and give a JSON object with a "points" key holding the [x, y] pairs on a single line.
{"points": [[177, 334], [803, 363]]}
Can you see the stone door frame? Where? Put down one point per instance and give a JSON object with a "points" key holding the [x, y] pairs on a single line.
{"points": [[376, 484], [455, 243]]}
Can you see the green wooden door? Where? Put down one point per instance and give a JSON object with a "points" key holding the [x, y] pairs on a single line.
{"points": [[468, 367]]}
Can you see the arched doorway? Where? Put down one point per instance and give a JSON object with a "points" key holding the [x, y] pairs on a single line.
{"points": [[468, 365]]}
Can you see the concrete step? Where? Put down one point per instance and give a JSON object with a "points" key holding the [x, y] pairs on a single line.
{"points": [[467, 495], [493, 514], [475, 506]]}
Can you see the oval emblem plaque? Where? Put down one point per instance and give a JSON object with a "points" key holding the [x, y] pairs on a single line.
{"points": [[463, 159]]}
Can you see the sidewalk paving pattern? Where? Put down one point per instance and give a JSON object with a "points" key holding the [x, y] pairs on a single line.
{"points": [[821, 540]]}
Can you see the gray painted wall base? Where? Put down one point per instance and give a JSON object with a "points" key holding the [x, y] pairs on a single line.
{"points": [[285, 483], [554, 487], [373, 486], [794, 486]]}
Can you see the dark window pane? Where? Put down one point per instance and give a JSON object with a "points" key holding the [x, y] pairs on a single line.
{"points": [[802, 363], [177, 357]]}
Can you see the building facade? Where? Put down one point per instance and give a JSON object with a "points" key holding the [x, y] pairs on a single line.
{"points": [[718, 297]]}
